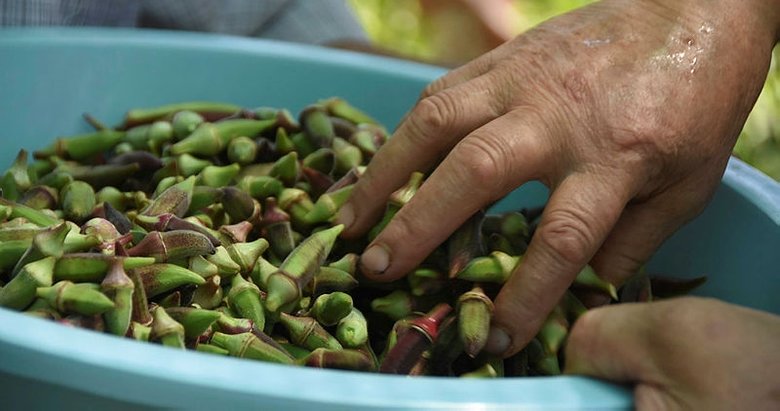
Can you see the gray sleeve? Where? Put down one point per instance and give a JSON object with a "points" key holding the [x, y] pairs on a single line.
{"points": [[314, 22], [303, 21], [116, 13]]}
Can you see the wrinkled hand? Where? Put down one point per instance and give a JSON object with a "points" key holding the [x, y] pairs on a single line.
{"points": [[682, 354], [627, 110]]}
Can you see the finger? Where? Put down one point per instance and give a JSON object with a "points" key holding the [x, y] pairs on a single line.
{"points": [[642, 228], [483, 167], [459, 75], [576, 220], [435, 125]]}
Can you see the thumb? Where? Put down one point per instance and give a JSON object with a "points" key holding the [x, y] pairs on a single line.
{"points": [[615, 343]]}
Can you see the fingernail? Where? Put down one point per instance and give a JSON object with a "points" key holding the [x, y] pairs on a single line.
{"points": [[376, 259], [346, 215], [498, 341]]}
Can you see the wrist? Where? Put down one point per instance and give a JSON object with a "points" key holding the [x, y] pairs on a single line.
{"points": [[757, 21]]}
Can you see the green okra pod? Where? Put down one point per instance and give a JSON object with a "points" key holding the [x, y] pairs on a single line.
{"points": [[426, 281], [239, 205], [308, 333], [465, 244], [285, 285], [398, 199], [347, 156], [209, 294], [30, 214], [329, 309], [175, 200], [668, 287], [339, 107], [494, 268], [92, 267], [68, 297], [82, 146], [297, 204], [330, 279], [21, 290], [78, 200], [474, 312], [140, 332], [203, 267], [246, 254], [261, 187], [247, 345], [40, 197], [396, 305], [286, 169], [261, 271], [172, 245], [588, 279], [210, 139], [352, 330], [225, 264], [244, 299], [166, 330], [322, 160], [194, 320], [228, 324], [328, 205], [17, 178], [160, 278], [277, 228], [211, 349], [317, 126], [218, 176], [212, 110], [242, 150], [184, 122], [348, 359], [46, 243], [118, 287], [554, 331]]}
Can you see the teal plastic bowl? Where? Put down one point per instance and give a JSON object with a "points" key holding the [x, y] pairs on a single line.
{"points": [[49, 77]]}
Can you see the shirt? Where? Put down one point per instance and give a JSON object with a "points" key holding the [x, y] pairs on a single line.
{"points": [[303, 21]]}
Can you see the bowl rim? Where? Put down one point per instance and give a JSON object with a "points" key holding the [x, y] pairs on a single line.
{"points": [[213, 374]]}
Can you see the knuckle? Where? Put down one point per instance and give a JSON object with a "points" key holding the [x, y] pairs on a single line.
{"points": [[482, 164], [567, 236], [433, 87], [645, 131], [434, 112]]}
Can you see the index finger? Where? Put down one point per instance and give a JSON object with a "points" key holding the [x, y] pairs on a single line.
{"points": [[433, 127]]}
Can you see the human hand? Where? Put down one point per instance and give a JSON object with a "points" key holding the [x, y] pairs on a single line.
{"points": [[682, 354], [627, 110]]}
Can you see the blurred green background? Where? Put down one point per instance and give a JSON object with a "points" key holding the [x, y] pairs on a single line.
{"points": [[399, 27]]}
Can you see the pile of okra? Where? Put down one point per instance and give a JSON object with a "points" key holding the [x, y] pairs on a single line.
{"points": [[209, 227]]}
